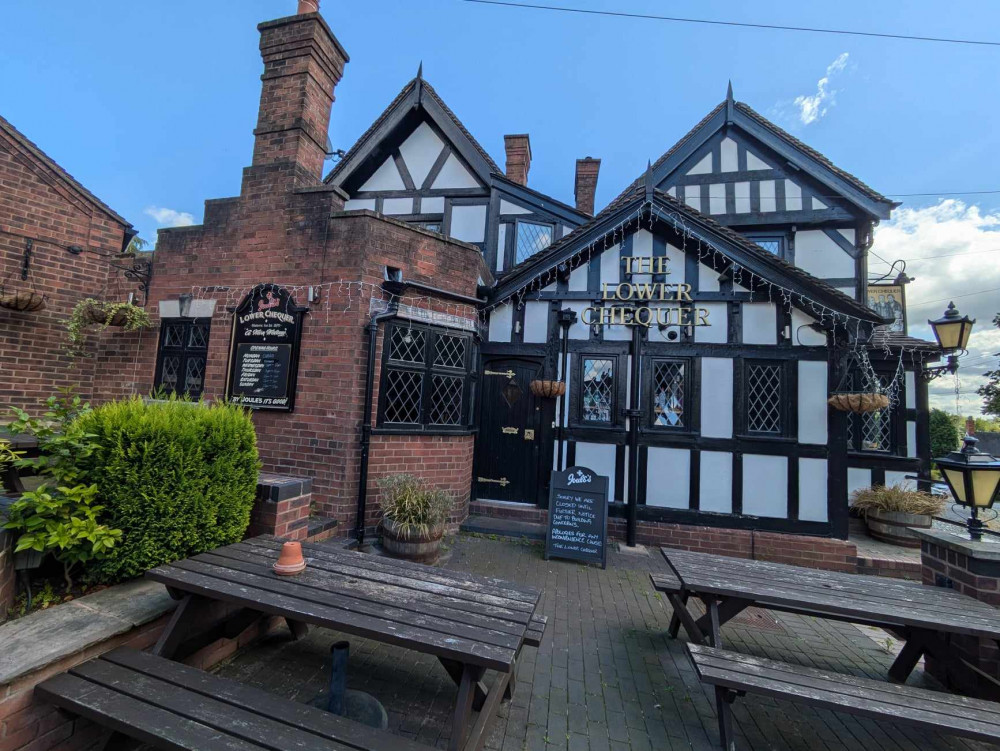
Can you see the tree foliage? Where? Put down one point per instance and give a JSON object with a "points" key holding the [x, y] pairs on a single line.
{"points": [[944, 434], [990, 391]]}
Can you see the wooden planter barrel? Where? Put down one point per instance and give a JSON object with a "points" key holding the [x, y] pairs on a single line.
{"points": [[894, 527], [412, 545]]}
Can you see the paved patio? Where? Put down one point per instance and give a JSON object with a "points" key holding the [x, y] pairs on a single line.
{"points": [[605, 676]]}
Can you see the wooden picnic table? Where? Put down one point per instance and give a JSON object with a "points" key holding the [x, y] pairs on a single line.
{"points": [[471, 624], [922, 616]]}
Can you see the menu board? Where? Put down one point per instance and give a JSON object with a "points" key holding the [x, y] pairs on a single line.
{"points": [[578, 516], [263, 359]]}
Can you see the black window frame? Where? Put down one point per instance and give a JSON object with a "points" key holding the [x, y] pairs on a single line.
{"points": [[787, 400], [184, 352], [781, 237], [617, 391], [510, 240], [897, 420], [428, 370], [691, 414]]}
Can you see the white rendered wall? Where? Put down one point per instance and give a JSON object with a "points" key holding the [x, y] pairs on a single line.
{"points": [[668, 478], [812, 490], [708, 278], [718, 331], [717, 397], [501, 247], [728, 156], [900, 478], [765, 485], [419, 151], [397, 206], [536, 322], [386, 177], [676, 264], [611, 266], [857, 479], [768, 202], [468, 223], [717, 198], [716, 486], [703, 167], [911, 439], [760, 323], [754, 162], [812, 401], [359, 203], [578, 278], [692, 196], [454, 175], [821, 256], [802, 334], [793, 196], [911, 390], [500, 321], [578, 330], [433, 205], [741, 192], [599, 457], [506, 207]]}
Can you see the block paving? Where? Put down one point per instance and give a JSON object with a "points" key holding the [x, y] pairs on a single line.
{"points": [[606, 675]]}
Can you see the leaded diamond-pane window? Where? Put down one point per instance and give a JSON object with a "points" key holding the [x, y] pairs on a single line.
{"points": [[531, 238], [668, 394], [598, 390], [406, 344], [872, 431], [764, 392], [446, 400], [771, 243], [401, 395], [182, 355], [449, 351]]}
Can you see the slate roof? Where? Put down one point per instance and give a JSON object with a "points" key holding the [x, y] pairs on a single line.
{"points": [[426, 88], [29, 146], [882, 337], [545, 259]]}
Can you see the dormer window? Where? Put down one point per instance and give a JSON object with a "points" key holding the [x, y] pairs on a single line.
{"points": [[772, 243]]}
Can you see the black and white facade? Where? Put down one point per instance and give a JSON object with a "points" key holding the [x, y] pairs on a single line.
{"points": [[699, 321]]}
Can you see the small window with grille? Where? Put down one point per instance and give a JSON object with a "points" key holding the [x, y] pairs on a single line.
{"points": [[874, 431], [531, 238], [181, 357], [774, 244], [765, 398], [670, 395], [597, 390], [425, 379]]}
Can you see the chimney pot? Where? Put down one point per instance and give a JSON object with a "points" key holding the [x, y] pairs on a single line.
{"points": [[308, 6], [586, 183], [518, 149], [970, 425]]}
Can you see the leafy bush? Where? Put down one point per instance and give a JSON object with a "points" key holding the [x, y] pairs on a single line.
{"points": [[177, 477], [407, 502], [944, 434], [895, 498]]}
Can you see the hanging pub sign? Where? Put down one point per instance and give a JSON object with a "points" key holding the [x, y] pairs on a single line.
{"points": [[889, 301], [646, 304], [578, 516], [264, 353]]}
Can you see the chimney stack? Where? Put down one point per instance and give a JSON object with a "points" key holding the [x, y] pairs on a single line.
{"points": [[303, 63], [586, 183], [970, 425], [518, 149]]}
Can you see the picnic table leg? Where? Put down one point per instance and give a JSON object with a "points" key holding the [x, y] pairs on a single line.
{"points": [[508, 693], [908, 657], [119, 742], [684, 615], [712, 605], [298, 628], [183, 623], [471, 675], [454, 669], [675, 620], [724, 697]]}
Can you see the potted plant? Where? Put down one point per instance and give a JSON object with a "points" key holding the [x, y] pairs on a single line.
{"points": [[413, 518], [91, 312], [891, 511]]}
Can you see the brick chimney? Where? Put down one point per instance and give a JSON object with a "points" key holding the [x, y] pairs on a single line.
{"points": [[303, 62], [585, 185], [518, 149], [970, 425]]}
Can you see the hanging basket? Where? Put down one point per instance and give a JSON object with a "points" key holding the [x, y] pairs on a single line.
{"points": [[98, 314], [858, 403], [548, 389], [22, 302]]}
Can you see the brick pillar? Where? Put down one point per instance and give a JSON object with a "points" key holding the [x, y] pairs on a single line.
{"points": [[518, 149], [303, 62], [282, 507], [586, 183], [972, 568]]}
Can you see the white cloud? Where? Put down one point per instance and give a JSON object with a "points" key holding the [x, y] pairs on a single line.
{"points": [[812, 108], [170, 217], [970, 238]]}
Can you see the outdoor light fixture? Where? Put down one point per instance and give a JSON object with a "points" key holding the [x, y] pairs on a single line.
{"points": [[952, 331], [974, 480]]}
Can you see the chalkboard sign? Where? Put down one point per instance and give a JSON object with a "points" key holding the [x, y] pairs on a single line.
{"points": [[578, 516], [264, 355]]}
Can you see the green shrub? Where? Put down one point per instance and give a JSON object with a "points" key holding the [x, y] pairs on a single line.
{"points": [[944, 434], [178, 478]]}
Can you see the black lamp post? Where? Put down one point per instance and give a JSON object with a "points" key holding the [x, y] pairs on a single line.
{"points": [[974, 480], [952, 331]]}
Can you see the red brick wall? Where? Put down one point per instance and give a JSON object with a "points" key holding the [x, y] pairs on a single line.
{"points": [[37, 203]]}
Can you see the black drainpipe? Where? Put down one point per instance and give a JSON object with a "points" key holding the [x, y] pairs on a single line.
{"points": [[634, 414], [366, 421]]}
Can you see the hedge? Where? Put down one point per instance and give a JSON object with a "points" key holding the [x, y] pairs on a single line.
{"points": [[178, 478]]}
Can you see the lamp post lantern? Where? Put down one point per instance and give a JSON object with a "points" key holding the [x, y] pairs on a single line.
{"points": [[952, 331], [974, 480]]}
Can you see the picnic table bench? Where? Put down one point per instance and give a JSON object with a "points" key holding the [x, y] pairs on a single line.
{"points": [[168, 705], [733, 674]]}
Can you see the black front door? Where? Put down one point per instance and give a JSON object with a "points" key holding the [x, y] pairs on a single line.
{"points": [[508, 445]]}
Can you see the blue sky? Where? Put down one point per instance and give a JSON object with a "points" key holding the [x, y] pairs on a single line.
{"points": [[152, 104]]}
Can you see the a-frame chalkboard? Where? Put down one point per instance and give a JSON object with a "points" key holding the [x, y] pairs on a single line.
{"points": [[578, 516]]}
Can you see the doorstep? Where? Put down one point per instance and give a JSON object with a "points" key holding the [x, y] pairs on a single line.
{"points": [[489, 525]]}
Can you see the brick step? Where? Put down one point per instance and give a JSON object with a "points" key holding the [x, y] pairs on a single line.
{"points": [[892, 568], [320, 528], [489, 525]]}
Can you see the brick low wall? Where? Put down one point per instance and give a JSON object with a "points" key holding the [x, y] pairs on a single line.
{"points": [[282, 507]]}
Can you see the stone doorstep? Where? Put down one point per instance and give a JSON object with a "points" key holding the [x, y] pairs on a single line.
{"points": [[46, 636], [503, 527]]}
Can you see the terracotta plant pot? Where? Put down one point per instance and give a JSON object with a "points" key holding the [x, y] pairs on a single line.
{"points": [[22, 302], [858, 403], [290, 560], [413, 545], [895, 527], [548, 389]]}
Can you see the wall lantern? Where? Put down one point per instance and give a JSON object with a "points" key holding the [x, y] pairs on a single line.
{"points": [[974, 480], [952, 331]]}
